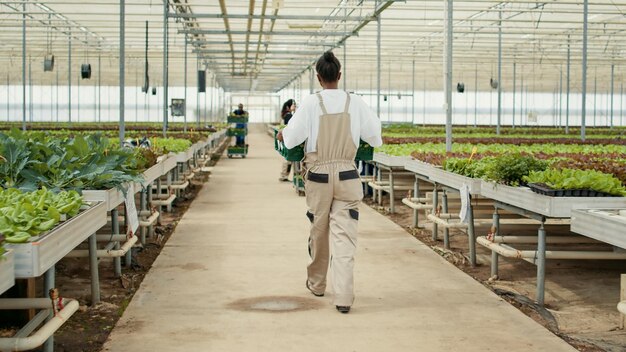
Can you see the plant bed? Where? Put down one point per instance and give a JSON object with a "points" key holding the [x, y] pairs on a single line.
{"points": [[7, 271], [35, 257]]}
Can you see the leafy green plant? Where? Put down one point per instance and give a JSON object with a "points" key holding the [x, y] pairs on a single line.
{"points": [[26, 214], [508, 168], [578, 179], [80, 162], [170, 145]]}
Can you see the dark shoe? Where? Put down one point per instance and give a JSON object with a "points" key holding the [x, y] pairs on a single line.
{"points": [[313, 292], [343, 309]]}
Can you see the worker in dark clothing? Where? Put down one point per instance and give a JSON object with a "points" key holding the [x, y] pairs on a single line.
{"points": [[289, 108], [240, 140]]}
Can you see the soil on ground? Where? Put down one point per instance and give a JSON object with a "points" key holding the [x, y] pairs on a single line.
{"points": [[580, 297]]}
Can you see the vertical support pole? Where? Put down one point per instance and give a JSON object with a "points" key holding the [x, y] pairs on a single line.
{"points": [[93, 267], [514, 86], [378, 59], [521, 98], [416, 195], [136, 95], [9, 99], [476, 96], [568, 84], [198, 93], [57, 95], [30, 90], [24, 68], [379, 172], [344, 75], [392, 193], [496, 232], [560, 95], [541, 263], [424, 99], [583, 122], [621, 105], [435, 210], [185, 120], [78, 79], [115, 229], [166, 8], [69, 76], [499, 71], [444, 209], [612, 91], [143, 206], [311, 80], [471, 234], [413, 96], [595, 98], [122, 78], [48, 284], [622, 297], [448, 72], [99, 88]]}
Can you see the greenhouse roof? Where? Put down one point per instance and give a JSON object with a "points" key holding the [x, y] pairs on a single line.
{"points": [[265, 45]]}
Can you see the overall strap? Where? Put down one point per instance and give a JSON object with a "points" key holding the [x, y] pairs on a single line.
{"points": [[319, 96], [345, 110]]}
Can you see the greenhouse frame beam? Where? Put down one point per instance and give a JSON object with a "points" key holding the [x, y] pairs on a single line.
{"points": [[227, 31], [273, 17], [24, 69], [238, 32], [448, 57], [380, 7]]}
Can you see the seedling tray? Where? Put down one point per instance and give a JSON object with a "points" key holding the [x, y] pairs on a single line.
{"points": [[237, 119], [236, 132], [545, 190]]}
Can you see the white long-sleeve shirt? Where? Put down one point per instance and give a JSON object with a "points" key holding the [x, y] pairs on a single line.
{"points": [[304, 125]]}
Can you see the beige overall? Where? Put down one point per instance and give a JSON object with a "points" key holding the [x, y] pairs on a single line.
{"points": [[333, 192]]}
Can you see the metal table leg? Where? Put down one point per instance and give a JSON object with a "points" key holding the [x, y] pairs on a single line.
{"points": [[391, 192], [48, 284], [142, 208], [496, 232], [471, 234], [541, 263], [444, 209], [435, 206], [115, 228], [416, 193], [93, 267]]}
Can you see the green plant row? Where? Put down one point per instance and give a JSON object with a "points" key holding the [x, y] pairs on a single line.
{"points": [[81, 162], [26, 214], [440, 130], [407, 149], [509, 169], [577, 179], [426, 134]]}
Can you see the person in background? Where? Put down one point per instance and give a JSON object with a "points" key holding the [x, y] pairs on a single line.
{"points": [[240, 110], [289, 107], [240, 140], [331, 123]]}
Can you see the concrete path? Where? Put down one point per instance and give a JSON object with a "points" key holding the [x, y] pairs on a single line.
{"points": [[240, 252]]}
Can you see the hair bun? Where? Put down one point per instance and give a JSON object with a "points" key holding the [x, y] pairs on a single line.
{"points": [[329, 56]]}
